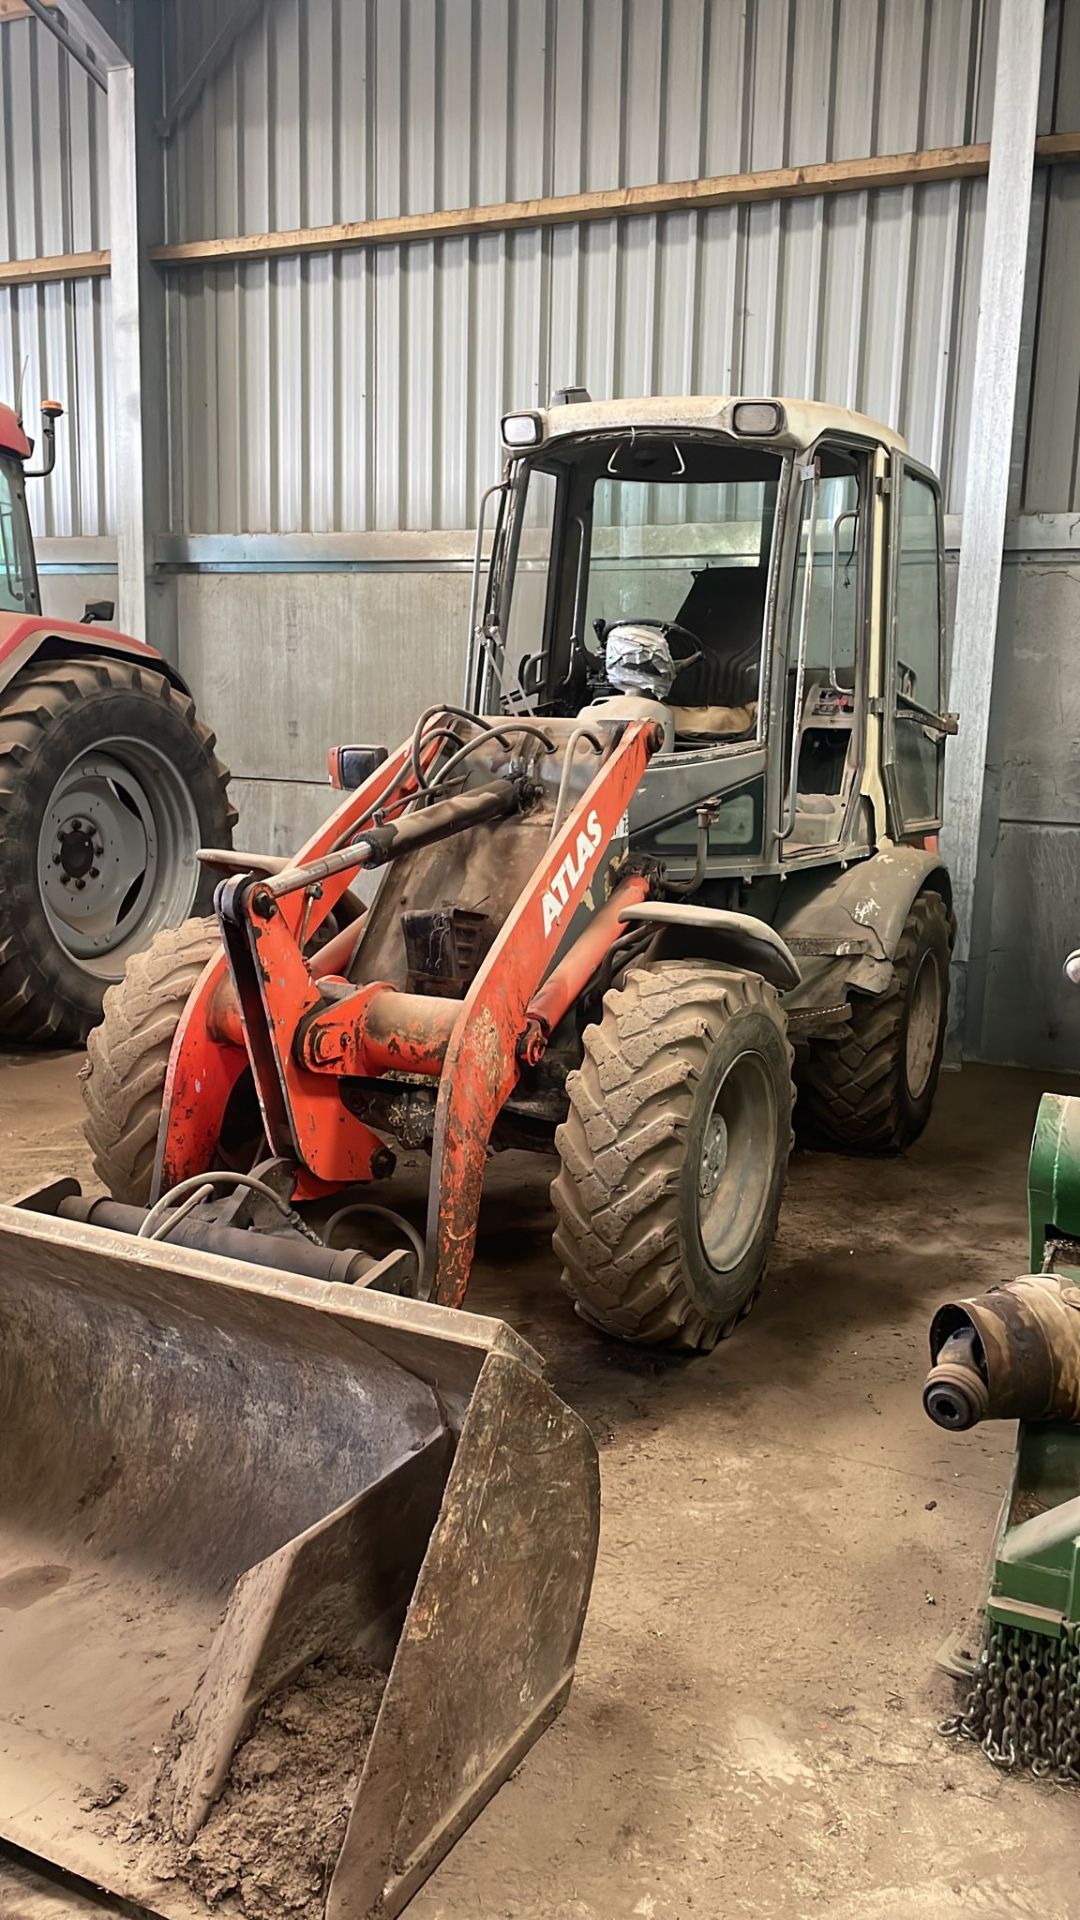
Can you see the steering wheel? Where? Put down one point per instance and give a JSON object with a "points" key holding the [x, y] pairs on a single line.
{"points": [[670, 630]]}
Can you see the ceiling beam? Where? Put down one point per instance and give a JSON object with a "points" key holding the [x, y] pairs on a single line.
{"points": [[101, 24], [237, 21], [53, 23]]}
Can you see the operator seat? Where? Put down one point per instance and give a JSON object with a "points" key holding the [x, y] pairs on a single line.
{"points": [[725, 610]]}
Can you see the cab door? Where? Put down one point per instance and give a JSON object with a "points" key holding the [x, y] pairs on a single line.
{"points": [[824, 667], [916, 724]]}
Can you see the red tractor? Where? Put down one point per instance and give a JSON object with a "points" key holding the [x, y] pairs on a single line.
{"points": [[108, 786]]}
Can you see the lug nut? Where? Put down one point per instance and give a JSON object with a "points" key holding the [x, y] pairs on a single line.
{"points": [[94, 872], [80, 886]]}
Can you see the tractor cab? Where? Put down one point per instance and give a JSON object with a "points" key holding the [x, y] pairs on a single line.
{"points": [[18, 574], [767, 578]]}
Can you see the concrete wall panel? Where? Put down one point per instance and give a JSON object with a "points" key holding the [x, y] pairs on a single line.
{"points": [[290, 664]]}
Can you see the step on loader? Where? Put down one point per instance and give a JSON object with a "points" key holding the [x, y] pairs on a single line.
{"points": [[677, 840]]}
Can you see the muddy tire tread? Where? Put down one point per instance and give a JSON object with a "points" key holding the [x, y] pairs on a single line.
{"points": [[849, 1091], [36, 698], [621, 1149], [123, 1081]]}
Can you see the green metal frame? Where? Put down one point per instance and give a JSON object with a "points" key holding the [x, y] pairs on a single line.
{"points": [[1035, 1582], [1024, 1704], [1054, 1177]]}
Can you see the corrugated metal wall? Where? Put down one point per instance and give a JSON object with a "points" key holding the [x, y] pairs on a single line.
{"points": [[1051, 478], [363, 389], [53, 200]]}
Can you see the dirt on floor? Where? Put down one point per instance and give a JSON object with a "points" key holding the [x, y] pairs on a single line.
{"points": [[786, 1541]]}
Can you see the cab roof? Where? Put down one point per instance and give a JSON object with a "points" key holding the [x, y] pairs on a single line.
{"points": [[12, 437], [804, 421]]}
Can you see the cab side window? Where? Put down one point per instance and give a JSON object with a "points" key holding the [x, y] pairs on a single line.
{"points": [[15, 578], [917, 649]]}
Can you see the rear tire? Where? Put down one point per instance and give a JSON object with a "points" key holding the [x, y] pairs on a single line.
{"points": [[674, 1154], [108, 783], [873, 1090], [128, 1055]]}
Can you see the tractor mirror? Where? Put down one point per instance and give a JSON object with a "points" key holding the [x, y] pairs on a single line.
{"points": [[351, 766], [98, 610]]}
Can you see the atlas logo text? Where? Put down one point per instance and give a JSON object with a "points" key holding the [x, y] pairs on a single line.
{"points": [[567, 876]]}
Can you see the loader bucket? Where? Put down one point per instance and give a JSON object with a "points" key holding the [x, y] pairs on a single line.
{"points": [[291, 1574]]}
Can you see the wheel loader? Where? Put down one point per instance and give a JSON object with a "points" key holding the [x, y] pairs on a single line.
{"points": [[676, 843], [681, 831], [108, 784]]}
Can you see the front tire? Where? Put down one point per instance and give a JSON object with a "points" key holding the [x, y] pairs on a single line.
{"points": [[127, 1057], [872, 1090], [674, 1154], [108, 785]]}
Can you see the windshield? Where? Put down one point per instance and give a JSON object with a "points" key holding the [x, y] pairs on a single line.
{"points": [[18, 583], [677, 534]]}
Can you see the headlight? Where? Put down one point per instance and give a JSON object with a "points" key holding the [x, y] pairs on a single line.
{"points": [[757, 416], [522, 429]]}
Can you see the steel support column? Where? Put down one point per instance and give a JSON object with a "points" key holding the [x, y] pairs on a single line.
{"points": [[986, 481], [123, 52], [147, 601], [127, 423]]}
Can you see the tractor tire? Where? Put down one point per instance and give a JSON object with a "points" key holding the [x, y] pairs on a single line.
{"points": [[872, 1090], [123, 1081], [108, 784], [674, 1154]]}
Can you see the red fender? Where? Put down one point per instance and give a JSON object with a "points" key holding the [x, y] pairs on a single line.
{"points": [[26, 636]]}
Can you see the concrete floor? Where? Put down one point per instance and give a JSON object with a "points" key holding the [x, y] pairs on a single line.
{"points": [[786, 1541]]}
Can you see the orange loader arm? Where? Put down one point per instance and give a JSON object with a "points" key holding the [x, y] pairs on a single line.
{"points": [[260, 1004]]}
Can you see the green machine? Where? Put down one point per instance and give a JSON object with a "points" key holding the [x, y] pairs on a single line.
{"points": [[1013, 1353]]}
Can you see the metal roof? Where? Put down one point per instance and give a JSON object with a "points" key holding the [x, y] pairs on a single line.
{"points": [[804, 420]]}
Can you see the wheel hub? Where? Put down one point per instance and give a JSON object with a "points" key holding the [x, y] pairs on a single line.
{"points": [[714, 1157], [737, 1159], [923, 1025], [77, 850], [116, 853]]}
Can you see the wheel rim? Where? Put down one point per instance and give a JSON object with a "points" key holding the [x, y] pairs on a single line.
{"points": [[735, 1172], [923, 1026], [116, 854]]}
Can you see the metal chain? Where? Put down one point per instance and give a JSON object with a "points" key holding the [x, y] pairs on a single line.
{"points": [[1024, 1706], [1046, 1738], [1067, 1741]]}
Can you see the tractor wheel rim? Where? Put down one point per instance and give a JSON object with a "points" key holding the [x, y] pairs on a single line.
{"points": [[116, 854], [923, 1026], [735, 1170]]}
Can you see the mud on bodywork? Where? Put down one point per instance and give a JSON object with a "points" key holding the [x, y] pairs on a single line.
{"points": [[845, 933]]}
